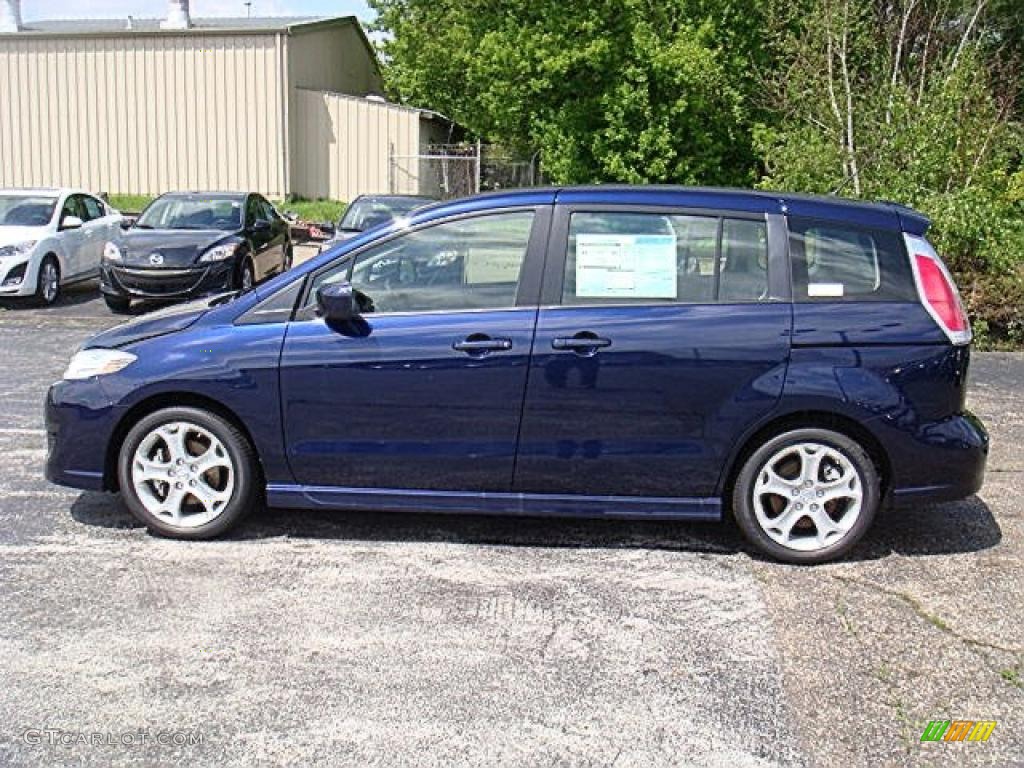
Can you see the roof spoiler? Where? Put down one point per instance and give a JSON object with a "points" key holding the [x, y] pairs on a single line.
{"points": [[912, 222]]}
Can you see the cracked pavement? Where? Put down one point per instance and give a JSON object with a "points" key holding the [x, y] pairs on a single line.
{"points": [[358, 639]]}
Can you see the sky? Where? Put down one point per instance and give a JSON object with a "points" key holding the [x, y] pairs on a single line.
{"points": [[33, 10]]}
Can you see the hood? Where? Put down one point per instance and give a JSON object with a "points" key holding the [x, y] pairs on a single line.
{"points": [[15, 235], [169, 320], [177, 247]]}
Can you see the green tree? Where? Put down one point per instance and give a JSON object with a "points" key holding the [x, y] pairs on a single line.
{"points": [[907, 101], [607, 90]]}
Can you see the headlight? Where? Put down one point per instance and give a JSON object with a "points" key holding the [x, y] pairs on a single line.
{"points": [[111, 252], [18, 249], [219, 253], [97, 362]]}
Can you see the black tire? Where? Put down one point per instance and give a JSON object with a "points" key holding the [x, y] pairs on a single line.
{"points": [[246, 495], [247, 269], [117, 304], [46, 296], [743, 492]]}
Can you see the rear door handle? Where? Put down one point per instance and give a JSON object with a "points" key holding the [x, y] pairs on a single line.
{"points": [[480, 344], [581, 342]]}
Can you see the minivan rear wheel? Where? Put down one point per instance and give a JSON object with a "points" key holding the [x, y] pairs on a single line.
{"points": [[188, 473], [806, 496]]}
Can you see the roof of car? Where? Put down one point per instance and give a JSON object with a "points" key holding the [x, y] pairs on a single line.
{"points": [[385, 198], [209, 195], [865, 213]]}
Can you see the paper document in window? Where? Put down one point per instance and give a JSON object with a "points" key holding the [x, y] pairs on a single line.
{"points": [[626, 266]]}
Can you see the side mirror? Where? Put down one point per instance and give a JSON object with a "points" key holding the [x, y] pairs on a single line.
{"points": [[260, 225], [336, 302], [71, 222], [127, 223]]}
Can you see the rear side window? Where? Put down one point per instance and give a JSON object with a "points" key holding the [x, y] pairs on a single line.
{"points": [[617, 258], [835, 262]]}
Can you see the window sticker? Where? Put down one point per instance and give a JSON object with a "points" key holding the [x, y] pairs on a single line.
{"points": [[626, 266], [819, 290]]}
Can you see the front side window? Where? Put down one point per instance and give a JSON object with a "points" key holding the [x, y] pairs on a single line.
{"points": [[455, 266], [835, 262], [616, 257], [268, 210], [73, 207], [93, 208]]}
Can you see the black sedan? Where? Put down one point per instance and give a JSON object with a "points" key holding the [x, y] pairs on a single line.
{"points": [[186, 244]]}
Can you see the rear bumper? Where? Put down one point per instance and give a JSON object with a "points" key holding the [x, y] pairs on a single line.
{"points": [[143, 283], [955, 451]]}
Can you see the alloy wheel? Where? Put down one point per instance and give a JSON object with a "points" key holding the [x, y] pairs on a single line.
{"points": [[808, 496], [50, 282], [182, 474], [247, 278]]}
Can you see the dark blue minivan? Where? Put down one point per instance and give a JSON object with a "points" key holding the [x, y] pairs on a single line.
{"points": [[623, 352]]}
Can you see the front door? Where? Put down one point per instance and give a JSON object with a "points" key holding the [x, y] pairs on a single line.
{"points": [[75, 242], [260, 235], [425, 389], [663, 335]]}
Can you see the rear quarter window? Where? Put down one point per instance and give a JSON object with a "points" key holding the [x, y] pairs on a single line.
{"points": [[837, 262]]}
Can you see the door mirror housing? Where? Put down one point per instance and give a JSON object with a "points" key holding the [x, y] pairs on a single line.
{"points": [[126, 223], [260, 225], [71, 222], [336, 302]]}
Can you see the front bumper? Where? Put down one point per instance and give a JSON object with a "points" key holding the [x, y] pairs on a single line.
{"points": [[149, 283], [80, 421], [949, 462], [9, 269]]}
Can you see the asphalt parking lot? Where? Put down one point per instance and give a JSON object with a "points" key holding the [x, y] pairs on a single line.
{"points": [[425, 640]]}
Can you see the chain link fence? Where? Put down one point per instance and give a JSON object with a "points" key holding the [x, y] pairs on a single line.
{"points": [[447, 171]]}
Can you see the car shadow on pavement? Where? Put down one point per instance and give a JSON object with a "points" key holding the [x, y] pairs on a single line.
{"points": [[960, 527], [70, 296]]}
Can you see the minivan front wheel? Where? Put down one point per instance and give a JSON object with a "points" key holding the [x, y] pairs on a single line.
{"points": [[187, 473], [806, 496]]}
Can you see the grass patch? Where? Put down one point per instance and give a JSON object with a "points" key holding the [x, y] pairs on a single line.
{"points": [[307, 210], [1012, 676], [130, 203], [313, 210]]}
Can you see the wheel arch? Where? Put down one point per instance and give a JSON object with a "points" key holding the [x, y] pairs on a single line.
{"points": [[52, 253], [820, 419], [158, 402]]}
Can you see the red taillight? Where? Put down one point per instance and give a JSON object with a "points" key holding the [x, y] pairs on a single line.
{"points": [[937, 290], [940, 294]]}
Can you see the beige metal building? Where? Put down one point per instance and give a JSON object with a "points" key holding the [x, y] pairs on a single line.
{"points": [[280, 105]]}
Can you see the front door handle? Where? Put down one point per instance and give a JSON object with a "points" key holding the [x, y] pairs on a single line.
{"points": [[480, 344], [584, 342]]}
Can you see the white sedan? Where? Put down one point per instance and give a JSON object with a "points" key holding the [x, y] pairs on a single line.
{"points": [[50, 238]]}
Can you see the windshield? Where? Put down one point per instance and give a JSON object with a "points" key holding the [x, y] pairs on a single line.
{"points": [[26, 210], [363, 214], [192, 213]]}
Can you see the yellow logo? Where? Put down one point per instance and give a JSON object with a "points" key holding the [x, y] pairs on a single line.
{"points": [[958, 730]]}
